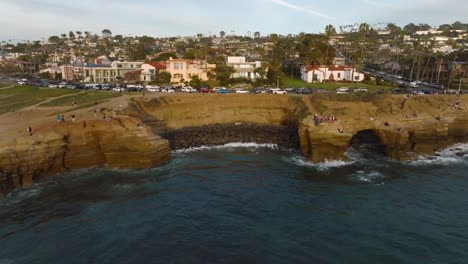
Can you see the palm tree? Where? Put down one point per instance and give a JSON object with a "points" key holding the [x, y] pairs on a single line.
{"points": [[329, 31], [364, 29]]}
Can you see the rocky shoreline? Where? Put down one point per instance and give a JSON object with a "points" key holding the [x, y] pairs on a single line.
{"points": [[149, 130], [218, 134]]}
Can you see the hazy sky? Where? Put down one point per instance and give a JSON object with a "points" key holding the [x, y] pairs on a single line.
{"points": [[36, 19]]}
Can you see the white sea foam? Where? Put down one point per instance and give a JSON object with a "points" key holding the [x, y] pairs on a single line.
{"points": [[233, 145], [368, 177], [321, 166], [452, 155]]}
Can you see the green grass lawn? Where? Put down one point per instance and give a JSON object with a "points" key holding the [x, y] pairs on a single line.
{"points": [[84, 98], [15, 98], [296, 83], [4, 84]]}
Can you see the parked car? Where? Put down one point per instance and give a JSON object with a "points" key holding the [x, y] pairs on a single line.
{"points": [[398, 91], [135, 87], [53, 85], [343, 89], [188, 89], [70, 86], [239, 91], [62, 85], [21, 83], [222, 91], [360, 90], [304, 90], [258, 90], [291, 90], [152, 88], [168, 89], [319, 91], [118, 89], [277, 91], [204, 90]]}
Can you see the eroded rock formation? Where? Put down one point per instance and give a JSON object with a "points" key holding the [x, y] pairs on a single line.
{"points": [[118, 143]]}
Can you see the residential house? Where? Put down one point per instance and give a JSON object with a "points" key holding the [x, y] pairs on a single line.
{"points": [[24, 66], [113, 73], [182, 70], [339, 59], [52, 71], [150, 71], [330, 73], [243, 69], [72, 72]]}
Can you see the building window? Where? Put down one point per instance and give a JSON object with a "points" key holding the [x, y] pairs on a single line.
{"points": [[178, 66], [339, 75], [356, 78]]}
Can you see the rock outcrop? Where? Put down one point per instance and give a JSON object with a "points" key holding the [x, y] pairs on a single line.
{"points": [[119, 143]]}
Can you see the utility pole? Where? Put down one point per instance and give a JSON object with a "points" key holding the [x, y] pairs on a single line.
{"points": [[277, 82]]}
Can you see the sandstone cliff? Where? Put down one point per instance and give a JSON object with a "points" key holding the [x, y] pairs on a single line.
{"points": [[118, 143]]}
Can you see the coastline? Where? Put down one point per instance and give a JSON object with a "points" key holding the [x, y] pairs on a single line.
{"points": [[139, 138]]}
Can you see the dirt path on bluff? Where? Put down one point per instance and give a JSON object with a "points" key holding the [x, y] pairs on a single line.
{"points": [[15, 124]]}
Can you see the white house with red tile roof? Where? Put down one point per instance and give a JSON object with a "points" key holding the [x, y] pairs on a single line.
{"points": [[150, 71], [330, 73]]}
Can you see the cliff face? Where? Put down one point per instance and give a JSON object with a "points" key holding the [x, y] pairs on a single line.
{"points": [[193, 120], [119, 143], [415, 125]]}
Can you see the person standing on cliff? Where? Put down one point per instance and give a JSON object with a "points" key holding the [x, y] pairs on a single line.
{"points": [[58, 118], [29, 130], [73, 118]]}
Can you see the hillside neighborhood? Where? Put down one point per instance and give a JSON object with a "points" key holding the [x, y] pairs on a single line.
{"points": [[421, 53]]}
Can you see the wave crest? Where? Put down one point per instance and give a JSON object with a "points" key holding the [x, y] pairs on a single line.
{"points": [[250, 145], [455, 154]]}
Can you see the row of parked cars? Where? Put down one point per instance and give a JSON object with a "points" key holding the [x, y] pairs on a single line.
{"points": [[177, 89]]}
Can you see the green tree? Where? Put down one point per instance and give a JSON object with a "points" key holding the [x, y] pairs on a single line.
{"points": [[54, 39], [190, 55], [329, 31], [166, 56], [256, 34], [165, 77], [71, 35], [44, 75], [223, 73], [222, 34], [195, 81], [106, 33]]}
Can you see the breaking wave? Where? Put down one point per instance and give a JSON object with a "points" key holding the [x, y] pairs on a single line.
{"points": [[233, 145], [320, 166], [368, 177], [456, 154]]}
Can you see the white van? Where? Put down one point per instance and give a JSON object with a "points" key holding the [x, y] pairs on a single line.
{"points": [[342, 90]]}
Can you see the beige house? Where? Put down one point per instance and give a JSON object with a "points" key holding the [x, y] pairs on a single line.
{"points": [[243, 69], [150, 71], [182, 70], [116, 72]]}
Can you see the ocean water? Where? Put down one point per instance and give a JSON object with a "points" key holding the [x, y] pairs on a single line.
{"points": [[246, 203]]}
